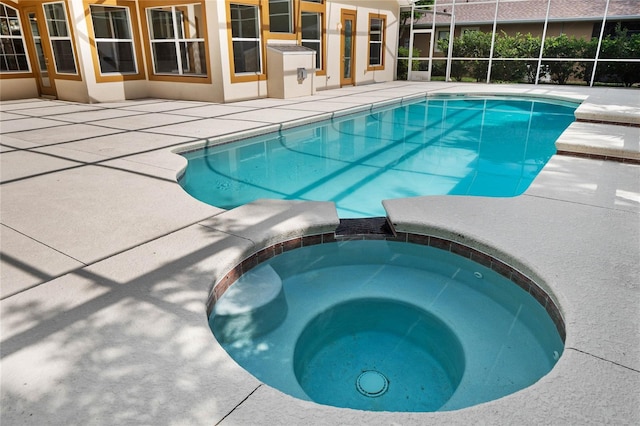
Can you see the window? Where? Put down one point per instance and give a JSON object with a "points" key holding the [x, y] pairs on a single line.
{"points": [[177, 41], [376, 41], [442, 35], [281, 16], [312, 34], [113, 39], [245, 38], [60, 38], [13, 56]]}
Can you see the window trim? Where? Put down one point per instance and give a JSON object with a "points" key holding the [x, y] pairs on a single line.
{"points": [[130, 6], [382, 42], [247, 77], [144, 5], [20, 73]]}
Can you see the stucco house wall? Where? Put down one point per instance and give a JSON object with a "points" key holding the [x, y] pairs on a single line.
{"points": [[220, 84]]}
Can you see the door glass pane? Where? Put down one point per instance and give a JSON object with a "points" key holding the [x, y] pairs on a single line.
{"points": [[347, 48], [42, 63], [34, 25]]}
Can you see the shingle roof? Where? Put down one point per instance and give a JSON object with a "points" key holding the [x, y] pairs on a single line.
{"points": [[532, 10]]}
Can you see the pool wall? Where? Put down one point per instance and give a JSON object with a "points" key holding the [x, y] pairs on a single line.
{"points": [[524, 281]]}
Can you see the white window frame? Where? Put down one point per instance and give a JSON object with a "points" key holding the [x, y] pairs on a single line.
{"points": [[130, 40], [176, 40], [380, 42], [66, 37], [257, 39], [289, 15], [317, 41], [12, 39]]}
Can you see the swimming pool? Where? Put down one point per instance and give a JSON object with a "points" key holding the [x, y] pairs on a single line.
{"points": [[457, 146]]}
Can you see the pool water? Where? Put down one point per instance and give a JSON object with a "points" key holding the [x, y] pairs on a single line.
{"points": [[438, 146], [385, 326]]}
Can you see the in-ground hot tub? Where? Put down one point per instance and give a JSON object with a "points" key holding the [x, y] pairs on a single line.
{"points": [[389, 326]]}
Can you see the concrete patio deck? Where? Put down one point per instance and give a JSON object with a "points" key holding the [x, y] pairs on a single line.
{"points": [[107, 264]]}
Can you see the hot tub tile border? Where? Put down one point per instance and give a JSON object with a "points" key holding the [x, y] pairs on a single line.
{"points": [[507, 271]]}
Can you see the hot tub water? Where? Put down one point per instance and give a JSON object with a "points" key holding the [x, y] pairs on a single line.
{"points": [[380, 325]]}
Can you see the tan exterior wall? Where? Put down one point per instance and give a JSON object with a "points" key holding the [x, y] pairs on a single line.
{"points": [[90, 86], [577, 29], [18, 88], [390, 10]]}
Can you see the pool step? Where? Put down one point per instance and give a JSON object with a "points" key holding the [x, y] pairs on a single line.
{"points": [[601, 141]]}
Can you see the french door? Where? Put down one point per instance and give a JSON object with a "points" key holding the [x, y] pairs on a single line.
{"points": [[347, 47]]}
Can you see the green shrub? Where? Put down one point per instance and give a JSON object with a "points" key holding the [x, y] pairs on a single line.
{"points": [[475, 44], [403, 64], [563, 46], [508, 47], [620, 45]]}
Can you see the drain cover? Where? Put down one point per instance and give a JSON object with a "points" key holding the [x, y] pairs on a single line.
{"points": [[372, 383]]}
